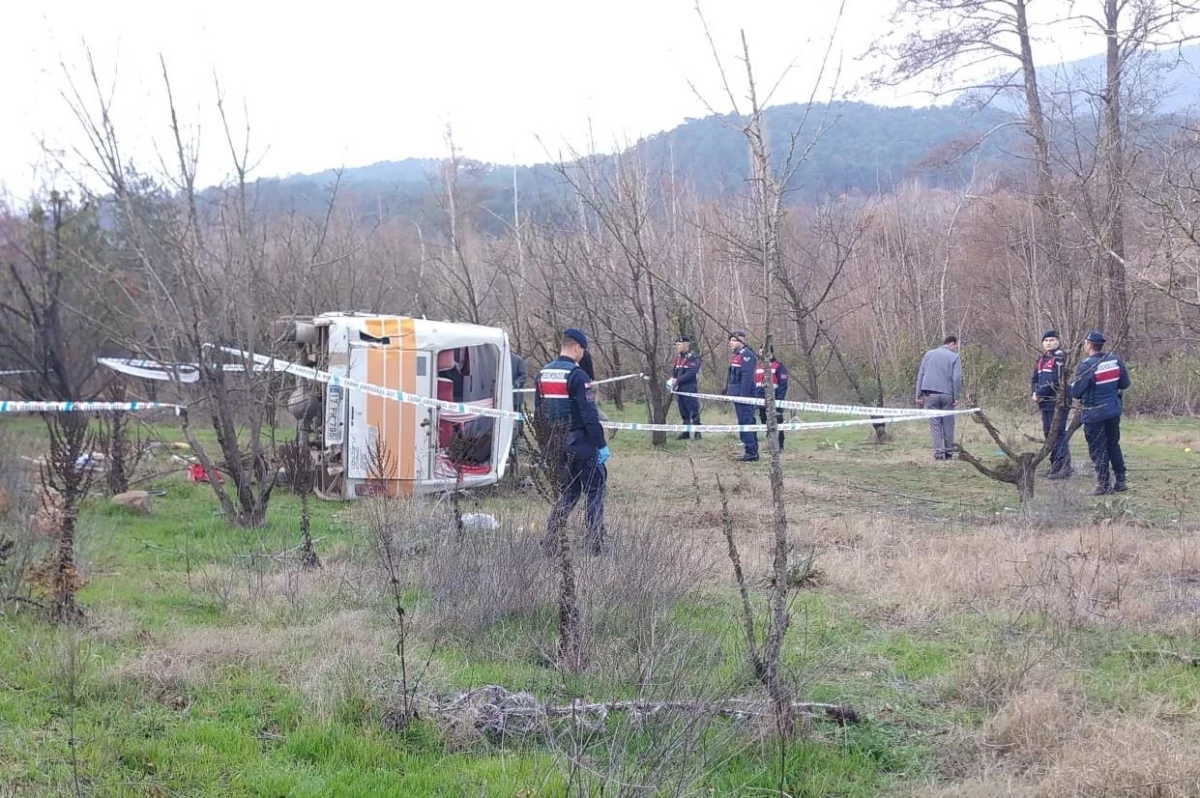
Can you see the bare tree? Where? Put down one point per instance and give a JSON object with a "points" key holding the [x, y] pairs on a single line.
{"points": [[767, 186], [45, 325], [813, 282], [623, 254], [944, 39], [185, 257], [1130, 29]]}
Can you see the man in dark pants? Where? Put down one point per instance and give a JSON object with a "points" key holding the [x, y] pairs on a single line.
{"points": [[1098, 385], [1044, 386], [566, 395], [742, 364], [779, 379], [685, 378], [939, 387]]}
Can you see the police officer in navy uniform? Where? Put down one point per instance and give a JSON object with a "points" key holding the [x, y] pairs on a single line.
{"points": [[565, 393], [685, 376], [1044, 386], [1098, 385], [779, 378], [742, 364]]}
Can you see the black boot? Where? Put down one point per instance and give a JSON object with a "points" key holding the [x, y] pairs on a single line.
{"points": [[683, 436], [697, 435], [1120, 486]]}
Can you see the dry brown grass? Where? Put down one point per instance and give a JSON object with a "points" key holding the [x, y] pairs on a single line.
{"points": [[1038, 582], [1047, 741], [339, 655], [268, 592], [1076, 576]]}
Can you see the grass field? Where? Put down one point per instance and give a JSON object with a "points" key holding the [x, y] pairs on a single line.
{"points": [[990, 649]]}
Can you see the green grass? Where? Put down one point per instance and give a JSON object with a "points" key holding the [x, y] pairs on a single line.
{"points": [[305, 715]]}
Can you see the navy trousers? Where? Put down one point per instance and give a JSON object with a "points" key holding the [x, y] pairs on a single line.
{"points": [[585, 477], [1104, 447], [762, 419], [1061, 453], [745, 415], [689, 408]]}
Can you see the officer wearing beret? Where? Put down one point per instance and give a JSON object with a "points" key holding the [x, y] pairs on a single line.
{"points": [[1044, 386], [742, 365], [1098, 385], [566, 395], [685, 378]]}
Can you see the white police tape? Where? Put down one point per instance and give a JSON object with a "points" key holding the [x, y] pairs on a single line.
{"points": [[597, 382], [12, 372], [821, 407], [315, 375], [787, 426], [82, 407], [309, 373]]}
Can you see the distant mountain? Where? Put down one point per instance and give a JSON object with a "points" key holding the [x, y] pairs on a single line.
{"points": [[1172, 76], [856, 148], [859, 149]]}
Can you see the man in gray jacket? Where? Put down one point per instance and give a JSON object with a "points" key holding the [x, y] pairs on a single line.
{"points": [[939, 387]]}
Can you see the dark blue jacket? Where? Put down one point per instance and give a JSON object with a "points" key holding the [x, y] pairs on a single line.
{"points": [[519, 378], [565, 393], [686, 372], [1097, 386], [779, 377], [1047, 376], [742, 365]]}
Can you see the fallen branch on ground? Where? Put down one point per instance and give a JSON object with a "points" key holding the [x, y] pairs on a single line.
{"points": [[1186, 659], [494, 710], [23, 600]]}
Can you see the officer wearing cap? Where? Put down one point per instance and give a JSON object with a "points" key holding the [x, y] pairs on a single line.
{"points": [[565, 393], [1098, 385], [685, 376], [778, 379], [1044, 387], [742, 365]]}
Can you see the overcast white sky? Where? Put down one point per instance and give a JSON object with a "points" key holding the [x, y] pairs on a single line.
{"points": [[352, 83]]}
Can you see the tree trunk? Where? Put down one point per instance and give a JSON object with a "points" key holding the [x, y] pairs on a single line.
{"points": [[809, 347], [767, 201], [618, 392], [780, 695], [1113, 262], [657, 401], [118, 451], [66, 574], [570, 641], [1025, 476]]}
